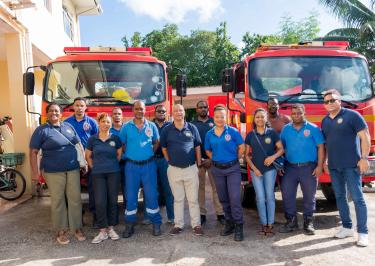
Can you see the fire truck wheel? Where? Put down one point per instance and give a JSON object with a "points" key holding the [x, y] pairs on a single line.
{"points": [[328, 192], [248, 196]]}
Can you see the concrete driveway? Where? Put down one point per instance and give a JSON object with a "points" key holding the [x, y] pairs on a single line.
{"points": [[26, 239]]}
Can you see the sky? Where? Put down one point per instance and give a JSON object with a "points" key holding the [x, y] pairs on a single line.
{"points": [[124, 17]]}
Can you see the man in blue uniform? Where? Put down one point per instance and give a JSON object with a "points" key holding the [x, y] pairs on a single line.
{"points": [[85, 127], [162, 164], [304, 152], [348, 146], [140, 138], [204, 123]]}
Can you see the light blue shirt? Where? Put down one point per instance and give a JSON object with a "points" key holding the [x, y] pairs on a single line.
{"points": [[301, 146], [139, 142]]}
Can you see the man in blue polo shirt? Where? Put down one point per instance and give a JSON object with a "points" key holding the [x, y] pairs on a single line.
{"points": [[304, 152], [347, 160], [180, 144], [85, 127], [204, 123], [140, 138]]}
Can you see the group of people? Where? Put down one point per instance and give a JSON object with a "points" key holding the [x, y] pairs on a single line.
{"points": [[174, 158]]}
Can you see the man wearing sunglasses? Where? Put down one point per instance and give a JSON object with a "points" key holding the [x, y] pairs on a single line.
{"points": [[204, 123], [344, 130], [162, 164]]}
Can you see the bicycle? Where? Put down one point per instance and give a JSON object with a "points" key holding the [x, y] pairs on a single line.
{"points": [[12, 182]]}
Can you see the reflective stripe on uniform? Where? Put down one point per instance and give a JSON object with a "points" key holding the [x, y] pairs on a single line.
{"points": [[152, 211], [131, 212]]}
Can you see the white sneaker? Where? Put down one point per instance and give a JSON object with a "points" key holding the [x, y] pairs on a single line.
{"points": [[113, 235], [362, 240], [344, 232], [99, 238]]}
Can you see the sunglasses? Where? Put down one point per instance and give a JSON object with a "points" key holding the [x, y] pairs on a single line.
{"points": [[202, 107], [329, 101], [161, 111]]}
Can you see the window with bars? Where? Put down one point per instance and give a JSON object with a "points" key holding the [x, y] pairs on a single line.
{"points": [[68, 23]]}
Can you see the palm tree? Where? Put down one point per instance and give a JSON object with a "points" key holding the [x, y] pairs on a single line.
{"points": [[360, 25]]}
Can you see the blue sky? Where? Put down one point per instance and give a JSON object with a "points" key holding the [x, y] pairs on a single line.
{"points": [[123, 17]]}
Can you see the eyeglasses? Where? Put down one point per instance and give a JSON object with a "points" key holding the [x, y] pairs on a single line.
{"points": [[202, 107], [329, 101], [161, 111]]}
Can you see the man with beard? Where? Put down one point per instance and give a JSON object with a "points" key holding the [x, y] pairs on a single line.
{"points": [[276, 119]]}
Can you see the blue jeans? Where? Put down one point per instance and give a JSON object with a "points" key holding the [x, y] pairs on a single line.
{"points": [[349, 178], [162, 166], [264, 188]]}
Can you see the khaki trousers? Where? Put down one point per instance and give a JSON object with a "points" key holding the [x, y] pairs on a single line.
{"points": [[202, 192], [66, 205], [184, 181]]}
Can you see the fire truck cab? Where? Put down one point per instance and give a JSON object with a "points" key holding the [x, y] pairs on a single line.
{"points": [[301, 73]]}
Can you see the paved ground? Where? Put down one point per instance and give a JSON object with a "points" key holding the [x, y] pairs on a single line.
{"points": [[26, 240]]}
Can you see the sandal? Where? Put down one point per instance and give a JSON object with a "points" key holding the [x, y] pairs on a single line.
{"points": [[79, 235], [263, 230], [269, 230], [62, 239]]}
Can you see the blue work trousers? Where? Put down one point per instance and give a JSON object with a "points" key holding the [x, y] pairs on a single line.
{"points": [[147, 175], [162, 166]]}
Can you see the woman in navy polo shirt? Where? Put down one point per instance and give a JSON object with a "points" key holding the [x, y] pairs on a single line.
{"points": [[263, 146], [60, 168], [224, 146], [103, 153]]}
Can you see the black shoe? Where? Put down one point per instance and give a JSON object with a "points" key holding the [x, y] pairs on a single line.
{"points": [[238, 232], [290, 225], [129, 230], [228, 229], [221, 219], [308, 225], [156, 230], [203, 219]]}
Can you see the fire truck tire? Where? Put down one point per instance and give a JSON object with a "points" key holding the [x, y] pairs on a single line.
{"points": [[328, 192], [248, 196]]}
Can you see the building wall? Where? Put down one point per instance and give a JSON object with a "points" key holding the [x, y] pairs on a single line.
{"points": [[4, 93]]}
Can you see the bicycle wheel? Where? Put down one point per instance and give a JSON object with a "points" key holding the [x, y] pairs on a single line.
{"points": [[12, 184]]}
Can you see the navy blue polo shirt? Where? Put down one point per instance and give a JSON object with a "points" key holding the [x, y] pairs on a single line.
{"points": [[268, 141], [301, 145], [84, 128], [343, 144], [139, 142], [115, 131], [104, 154], [203, 128], [180, 144], [165, 124], [58, 154], [223, 147]]}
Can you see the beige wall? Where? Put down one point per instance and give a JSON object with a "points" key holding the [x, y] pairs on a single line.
{"points": [[4, 91]]}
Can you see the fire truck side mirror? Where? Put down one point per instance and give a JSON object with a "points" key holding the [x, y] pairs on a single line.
{"points": [[243, 117], [181, 85], [227, 80], [28, 83]]}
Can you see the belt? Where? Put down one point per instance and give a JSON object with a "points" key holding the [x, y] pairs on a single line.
{"points": [[224, 165], [301, 164], [158, 156], [182, 167], [140, 162]]}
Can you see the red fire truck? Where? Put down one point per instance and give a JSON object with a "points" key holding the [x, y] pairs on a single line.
{"points": [[300, 74], [106, 77]]}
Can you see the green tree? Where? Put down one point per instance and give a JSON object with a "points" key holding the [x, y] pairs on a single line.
{"points": [[136, 39], [359, 20]]}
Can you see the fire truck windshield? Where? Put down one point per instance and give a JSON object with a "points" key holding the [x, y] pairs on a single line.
{"points": [[105, 82], [306, 78]]}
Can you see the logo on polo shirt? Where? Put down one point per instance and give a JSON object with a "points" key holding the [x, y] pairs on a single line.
{"points": [[188, 134], [211, 124], [86, 126], [148, 132], [306, 132], [112, 143], [69, 131], [267, 140], [227, 137], [340, 120]]}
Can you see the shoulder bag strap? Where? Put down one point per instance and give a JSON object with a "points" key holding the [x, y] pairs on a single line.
{"points": [[63, 136], [260, 144]]}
